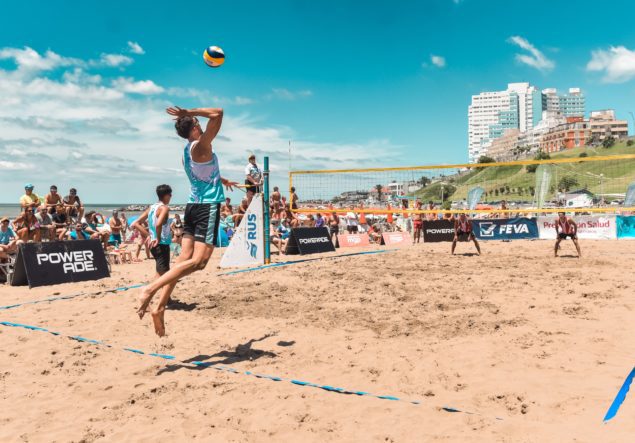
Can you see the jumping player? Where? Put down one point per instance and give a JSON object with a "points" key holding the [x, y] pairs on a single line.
{"points": [[463, 227], [202, 213], [566, 227]]}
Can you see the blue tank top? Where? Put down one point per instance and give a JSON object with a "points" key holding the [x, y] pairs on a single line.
{"points": [[166, 235], [205, 182]]}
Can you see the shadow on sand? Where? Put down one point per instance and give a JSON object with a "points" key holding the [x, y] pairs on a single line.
{"points": [[241, 352]]}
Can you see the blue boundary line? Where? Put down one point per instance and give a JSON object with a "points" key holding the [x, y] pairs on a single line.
{"points": [[620, 397], [203, 365], [287, 263]]}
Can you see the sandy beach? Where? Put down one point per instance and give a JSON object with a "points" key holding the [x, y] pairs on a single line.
{"points": [[543, 344]]}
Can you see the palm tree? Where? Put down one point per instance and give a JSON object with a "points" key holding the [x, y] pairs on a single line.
{"points": [[379, 189]]}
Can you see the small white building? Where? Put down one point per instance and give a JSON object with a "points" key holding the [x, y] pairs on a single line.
{"points": [[578, 199]]}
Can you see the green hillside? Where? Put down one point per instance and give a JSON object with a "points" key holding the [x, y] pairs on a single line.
{"points": [[515, 183]]}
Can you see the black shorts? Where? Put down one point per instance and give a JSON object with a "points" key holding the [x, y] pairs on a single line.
{"points": [[564, 236], [468, 234], [253, 188], [202, 221], [352, 229], [161, 254]]}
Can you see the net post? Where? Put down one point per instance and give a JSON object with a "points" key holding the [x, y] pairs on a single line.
{"points": [[265, 203]]}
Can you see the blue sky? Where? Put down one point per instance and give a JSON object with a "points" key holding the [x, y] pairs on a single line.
{"points": [[350, 83]]}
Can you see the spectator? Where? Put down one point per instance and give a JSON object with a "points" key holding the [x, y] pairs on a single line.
{"points": [[351, 221], [294, 199], [92, 227], [8, 240], [141, 235], [244, 204], [319, 221], [276, 238], [47, 227], [177, 229], [275, 197], [363, 226], [334, 227], [283, 201], [124, 225], [227, 209], [28, 228], [61, 221], [74, 204], [253, 178], [52, 199], [374, 233], [79, 232], [30, 199], [275, 211], [116, 226]]}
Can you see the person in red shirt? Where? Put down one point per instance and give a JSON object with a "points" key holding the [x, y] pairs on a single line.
{"points": [[417, 223], [463, 227], [566, 227]]}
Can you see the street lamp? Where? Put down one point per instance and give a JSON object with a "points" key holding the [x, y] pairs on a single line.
{"points": [[602, 189]]}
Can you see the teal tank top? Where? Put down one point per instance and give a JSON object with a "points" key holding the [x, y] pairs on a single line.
{"points": [[166, 235], [205, 182]]}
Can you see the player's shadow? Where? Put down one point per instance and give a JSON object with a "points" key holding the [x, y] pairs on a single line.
{"points": [[568, 256], [468, 254], [242, 352], [177, 305]]}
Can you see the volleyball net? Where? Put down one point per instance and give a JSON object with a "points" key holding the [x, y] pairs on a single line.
{"points": [[593, 184]]}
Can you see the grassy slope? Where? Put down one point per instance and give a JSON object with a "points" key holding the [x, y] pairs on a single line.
{"points": [[618, 175]]}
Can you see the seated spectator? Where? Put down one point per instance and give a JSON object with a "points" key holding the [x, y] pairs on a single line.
{"points": [[290, 220], [319, 221], [310, 222], [61, 221], [8, 239], [52, 199], [28, 228], [79, 232], [374, 233], [48, 230], [74, 205], [92, 227], [227, 209], [276, 237], [124, 225], [30, 199], [244, 204]]}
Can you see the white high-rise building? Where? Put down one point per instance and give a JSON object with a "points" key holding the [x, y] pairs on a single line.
{"points": [[571, 104], [492, 113]]}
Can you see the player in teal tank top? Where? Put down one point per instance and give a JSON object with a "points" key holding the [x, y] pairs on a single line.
{"points": [[201, 223]]}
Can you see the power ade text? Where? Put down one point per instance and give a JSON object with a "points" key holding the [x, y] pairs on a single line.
{"points": [[440, 231], [306, 241], [76, 261]]}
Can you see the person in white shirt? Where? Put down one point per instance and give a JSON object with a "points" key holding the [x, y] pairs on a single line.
{"points": [[253, 178], [352, 222]]}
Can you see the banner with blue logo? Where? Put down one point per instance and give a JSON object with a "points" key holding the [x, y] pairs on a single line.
{"points": [[625, 226], [506, 229]]}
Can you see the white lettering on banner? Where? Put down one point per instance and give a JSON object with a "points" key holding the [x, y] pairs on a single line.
{"points": [[306, 241], [246, 246], [589, 227], [440, 231], [513, 229], [75, 261], [354, 239]]}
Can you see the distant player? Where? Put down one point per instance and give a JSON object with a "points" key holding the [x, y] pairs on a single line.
{"points": [[417, 223], [202, 214], [566, 227], [463, 228]]}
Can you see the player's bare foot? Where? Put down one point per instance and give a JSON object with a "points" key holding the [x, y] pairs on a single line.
{"points": [[144, 300], [158, 320]]}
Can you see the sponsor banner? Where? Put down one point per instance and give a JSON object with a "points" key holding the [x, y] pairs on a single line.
{"points": [[589, 227], [438, 230], [352, 240], [396, 238], [52, 263], [625, 226], [505, 229], [247, 245], [309, 241]]}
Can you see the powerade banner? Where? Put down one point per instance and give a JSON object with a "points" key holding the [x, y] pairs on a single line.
{"points": [[247, 245], [309, 241], [52, 263], [505, 229], [438, 230], [589, 227], [625, 226]]}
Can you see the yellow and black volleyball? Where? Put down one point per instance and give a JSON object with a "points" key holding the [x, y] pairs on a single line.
{"points": [[214, 56]]}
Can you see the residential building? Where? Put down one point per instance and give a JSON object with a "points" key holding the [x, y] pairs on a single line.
{"points": [[572, 104], [490, 114], [502, 148], [569, 135], [603, 124]]}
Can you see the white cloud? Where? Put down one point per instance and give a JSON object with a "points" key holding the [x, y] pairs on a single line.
{"points": [[135, 48], [535, 58], [617, 63], [115, 60], [114, 144], [145, 87], [28, 59], [437, 61], [286, 94]]}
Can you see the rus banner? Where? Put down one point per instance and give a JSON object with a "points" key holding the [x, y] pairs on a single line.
{"points": [[247, 245]]}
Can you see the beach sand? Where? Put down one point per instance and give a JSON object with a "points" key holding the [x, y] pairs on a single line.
{"points": [[541, 343]]}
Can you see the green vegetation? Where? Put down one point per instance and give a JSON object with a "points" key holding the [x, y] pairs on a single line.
{"points": [[517, 183]]}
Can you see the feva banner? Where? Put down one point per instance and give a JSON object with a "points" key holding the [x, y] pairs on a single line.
{"points": [[247, 244], [589, 227], [625, 226]]}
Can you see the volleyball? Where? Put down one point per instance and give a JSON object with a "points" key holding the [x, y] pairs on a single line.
{"points": [[214, 56]]}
